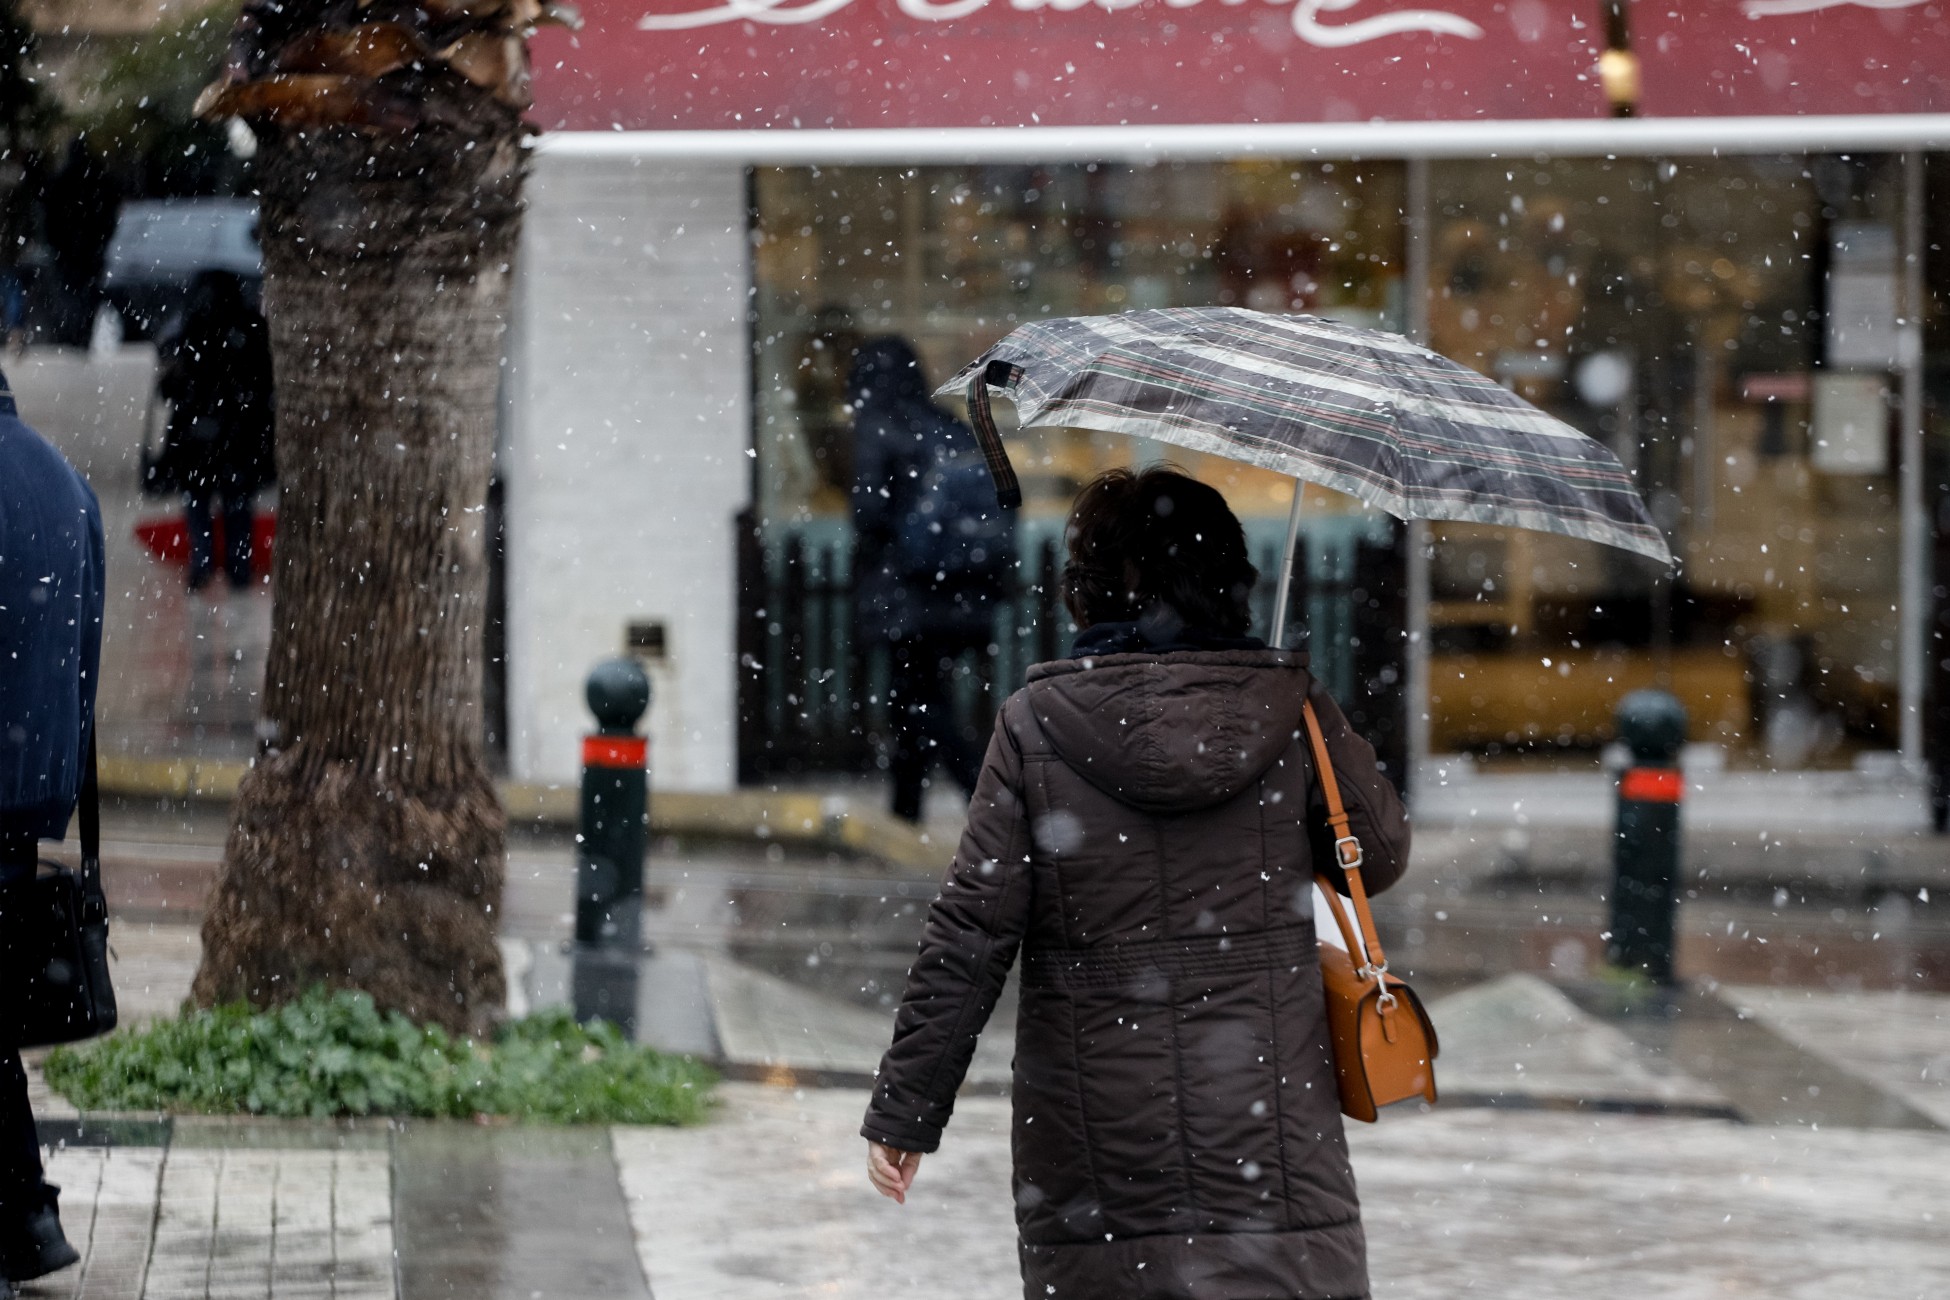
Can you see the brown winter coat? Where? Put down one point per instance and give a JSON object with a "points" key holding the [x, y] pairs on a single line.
{"points": [[1146, 830]]}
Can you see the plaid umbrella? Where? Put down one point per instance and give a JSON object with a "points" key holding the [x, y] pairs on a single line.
{"points": [[1360, 411]]}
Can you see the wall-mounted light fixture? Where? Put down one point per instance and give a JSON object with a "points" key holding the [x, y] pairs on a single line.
{"points": [[1618, 67]]}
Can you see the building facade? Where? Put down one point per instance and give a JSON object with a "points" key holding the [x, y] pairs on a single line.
{"points": [[1742, 291]]}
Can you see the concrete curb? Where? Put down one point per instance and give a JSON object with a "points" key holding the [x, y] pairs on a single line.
{"points": [[786, 817]]}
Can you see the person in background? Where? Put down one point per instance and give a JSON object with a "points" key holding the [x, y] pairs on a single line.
{"points": [[216, 374], [80, 201], [931, 560], [51, 578], [1146, 831]]}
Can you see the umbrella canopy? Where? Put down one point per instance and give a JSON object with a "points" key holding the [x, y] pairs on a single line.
{"points": [[1366, 413]]}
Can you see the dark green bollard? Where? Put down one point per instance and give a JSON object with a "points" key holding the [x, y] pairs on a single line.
{"points": [[610, 844], [1645, 844]]}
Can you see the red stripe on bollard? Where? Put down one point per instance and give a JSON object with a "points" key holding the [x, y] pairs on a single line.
{"points": [[1652, 785], [615, 751]]}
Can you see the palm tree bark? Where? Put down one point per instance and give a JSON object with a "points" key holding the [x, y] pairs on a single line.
{"points": [[366, 848]]}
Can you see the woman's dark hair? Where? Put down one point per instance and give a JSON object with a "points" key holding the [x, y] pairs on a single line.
{"points": [[1154, 538]]}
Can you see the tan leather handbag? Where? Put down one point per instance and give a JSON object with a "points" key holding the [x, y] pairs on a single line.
{"points": [[1384, 1043]]}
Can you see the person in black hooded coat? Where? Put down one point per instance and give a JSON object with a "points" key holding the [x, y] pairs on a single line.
{"points": [[1145, 837], [51, 578], [930, 621], [217, 377]]}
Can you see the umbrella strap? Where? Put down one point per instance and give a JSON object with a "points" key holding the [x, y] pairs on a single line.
{"points": [[1008, 492]]}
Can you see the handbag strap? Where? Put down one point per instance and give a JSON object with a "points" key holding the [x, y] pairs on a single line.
{"points": [[1366, 944]]}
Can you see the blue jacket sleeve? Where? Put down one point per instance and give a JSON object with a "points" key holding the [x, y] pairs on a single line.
{"points": [[51, 582]]}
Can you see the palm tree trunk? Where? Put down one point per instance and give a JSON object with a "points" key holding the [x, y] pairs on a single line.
{"points": [[366, 848]]}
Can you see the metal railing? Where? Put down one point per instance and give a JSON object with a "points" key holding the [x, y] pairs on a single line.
{"points": [[813, 693]]}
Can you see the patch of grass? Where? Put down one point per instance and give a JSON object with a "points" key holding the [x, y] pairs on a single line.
{"points": [[332, 1054], [1625, 982]]}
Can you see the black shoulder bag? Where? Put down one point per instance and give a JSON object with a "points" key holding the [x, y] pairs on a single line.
{"points": [[54, 929]]}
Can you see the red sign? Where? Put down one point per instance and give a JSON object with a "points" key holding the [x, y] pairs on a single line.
{"points": [[1651, 785], [615, 751], [768, 64]]}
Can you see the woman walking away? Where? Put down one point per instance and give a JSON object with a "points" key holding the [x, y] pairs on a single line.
{"points": [[217, 377], [1146, 830]]}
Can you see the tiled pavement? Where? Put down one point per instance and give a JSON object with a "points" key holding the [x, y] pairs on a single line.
{"points": [[109, 1209], [227, 1223]]}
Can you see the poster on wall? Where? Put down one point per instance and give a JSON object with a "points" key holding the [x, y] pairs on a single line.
{"points": [[1851, 434], [1862, 296]]}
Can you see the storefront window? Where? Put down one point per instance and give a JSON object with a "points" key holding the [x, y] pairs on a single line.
{"points": [[952, 258], [1728, 326]]}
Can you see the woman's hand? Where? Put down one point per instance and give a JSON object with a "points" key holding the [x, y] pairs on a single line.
{"points": [[891, 1170]]}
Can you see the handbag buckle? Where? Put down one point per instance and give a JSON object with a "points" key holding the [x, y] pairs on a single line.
{"points": [[1347, 850]]}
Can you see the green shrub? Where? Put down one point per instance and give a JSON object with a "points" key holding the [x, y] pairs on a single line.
{"points": [[333, 1054]]}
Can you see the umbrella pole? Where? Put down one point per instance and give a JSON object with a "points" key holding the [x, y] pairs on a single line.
{"points": [[1284, 590]]}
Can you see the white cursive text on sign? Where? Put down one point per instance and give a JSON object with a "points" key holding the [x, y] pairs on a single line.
{"points": [[1307, 24], [1779, 8]]}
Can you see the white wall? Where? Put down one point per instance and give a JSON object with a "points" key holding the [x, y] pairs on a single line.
{"points": [[625, 458]]}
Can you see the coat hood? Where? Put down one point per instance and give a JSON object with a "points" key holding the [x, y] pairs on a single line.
{"points": [[1173, 732], [887, 372]]}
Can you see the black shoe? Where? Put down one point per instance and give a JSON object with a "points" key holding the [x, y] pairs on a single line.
{"points": [[37, 1246]]}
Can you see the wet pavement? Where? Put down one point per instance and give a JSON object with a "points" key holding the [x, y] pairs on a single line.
{"points": [[207, 1215], [1520, 1205], [781, 963], [1780, 1132], [770, 1199], [511, 1212]]}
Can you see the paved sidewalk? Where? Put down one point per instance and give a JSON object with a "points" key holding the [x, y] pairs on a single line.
{"points": [[1895, 1042], [1583, 1147], [188, 1222], [1526, 1184], [770, 1200]]}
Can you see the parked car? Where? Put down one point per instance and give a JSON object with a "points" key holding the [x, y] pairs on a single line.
{"points": [[161, 245]]}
